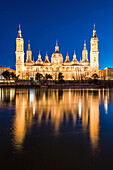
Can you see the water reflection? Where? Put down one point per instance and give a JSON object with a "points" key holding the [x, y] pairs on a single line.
{"points": [[7, 96], [56, 107]]}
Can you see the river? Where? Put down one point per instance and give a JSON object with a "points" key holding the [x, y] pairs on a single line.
{"points": [[56, 129]]}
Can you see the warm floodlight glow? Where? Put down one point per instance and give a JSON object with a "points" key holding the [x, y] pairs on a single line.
{"points": [[70, 69], [54, 106]]}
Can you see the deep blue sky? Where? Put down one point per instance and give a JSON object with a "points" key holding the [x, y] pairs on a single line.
{"points": [[68, 21]]}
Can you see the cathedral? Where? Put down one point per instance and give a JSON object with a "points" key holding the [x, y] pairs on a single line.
{"points": [[71, 70]]}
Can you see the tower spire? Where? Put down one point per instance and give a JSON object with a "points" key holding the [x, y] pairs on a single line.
{"points": [[19, 32], [39, 55], [29, 48], [46, 57], [94, 31], [94, 26], [84, 44], [56, 47]]}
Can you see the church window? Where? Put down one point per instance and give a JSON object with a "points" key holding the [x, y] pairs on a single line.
{"points": [[19, 58]]}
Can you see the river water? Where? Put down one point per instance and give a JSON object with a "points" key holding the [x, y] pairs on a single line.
{"points": [[56, 129]]}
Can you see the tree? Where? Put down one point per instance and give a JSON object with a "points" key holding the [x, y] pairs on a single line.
{"points": [[90, 80], [73, 77], [60, 77], [48, 76], [13, 75], [38, 76], [95, 76], [6, 75]]}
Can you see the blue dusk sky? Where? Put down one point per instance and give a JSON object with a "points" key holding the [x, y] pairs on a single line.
{"points": [[45, 21]]}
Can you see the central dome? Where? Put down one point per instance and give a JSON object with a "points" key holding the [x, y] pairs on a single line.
{"points": [[57, 57]]}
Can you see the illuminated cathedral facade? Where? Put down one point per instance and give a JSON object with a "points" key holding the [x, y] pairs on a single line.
{"points": [[74, 69]]}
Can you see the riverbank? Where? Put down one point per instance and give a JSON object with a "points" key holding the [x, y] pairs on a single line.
{"points": [[58, 85]]}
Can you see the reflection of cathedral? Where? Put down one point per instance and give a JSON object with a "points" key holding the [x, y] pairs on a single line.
{"points": [[56, 107], [70, 69], [7, 96]]}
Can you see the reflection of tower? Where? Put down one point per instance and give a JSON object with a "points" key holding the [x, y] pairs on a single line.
{"points": [[85, 100], [94, 119], [19, 54], [19, 122], [106, 99], [23, 116], [94, 53]]}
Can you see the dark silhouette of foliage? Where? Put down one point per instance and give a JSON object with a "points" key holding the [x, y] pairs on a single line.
{"points": [[13, 75], [60, 76], [38, 76], [6, 75], [95, 76], [48, 76], [73, 77], [90, 80]]}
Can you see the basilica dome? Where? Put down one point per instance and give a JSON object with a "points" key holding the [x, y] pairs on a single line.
{"points": [[57, 57]]}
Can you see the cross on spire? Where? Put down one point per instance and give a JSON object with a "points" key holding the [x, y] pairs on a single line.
{"points": [[56, 42]]}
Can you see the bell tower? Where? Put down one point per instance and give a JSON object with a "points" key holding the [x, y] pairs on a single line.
{"points": [[19, 55], [94, 53]]}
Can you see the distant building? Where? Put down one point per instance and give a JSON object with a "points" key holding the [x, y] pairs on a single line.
{"points": [[106, 74], [71, 69], [2, 69]]}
